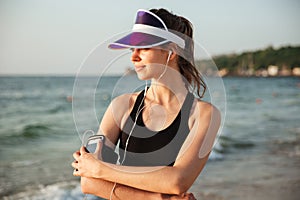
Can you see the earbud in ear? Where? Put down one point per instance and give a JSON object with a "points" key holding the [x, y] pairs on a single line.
{"points": [[170, 53]]}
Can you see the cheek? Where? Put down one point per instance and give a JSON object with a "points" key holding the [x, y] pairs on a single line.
{"points": [[147, 73], [156, 69], [144, 74]]}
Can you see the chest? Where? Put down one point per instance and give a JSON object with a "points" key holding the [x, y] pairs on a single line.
{"points": [[157, 117]]}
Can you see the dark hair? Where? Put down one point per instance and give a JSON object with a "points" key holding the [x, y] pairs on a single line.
{"points": [[187, 69]]}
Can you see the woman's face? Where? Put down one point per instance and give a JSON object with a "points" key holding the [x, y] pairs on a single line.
{"points": [[149, 63]]}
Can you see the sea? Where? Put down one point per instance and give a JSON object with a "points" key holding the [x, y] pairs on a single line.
{"points": [[40, 129]]}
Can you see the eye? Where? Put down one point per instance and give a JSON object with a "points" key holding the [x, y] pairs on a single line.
{"points": [[139, 49]]}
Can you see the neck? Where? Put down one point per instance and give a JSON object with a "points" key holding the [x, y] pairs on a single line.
{"points": [[165, 88]]}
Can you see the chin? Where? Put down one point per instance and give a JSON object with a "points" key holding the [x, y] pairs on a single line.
{"points": [[143, 78]]}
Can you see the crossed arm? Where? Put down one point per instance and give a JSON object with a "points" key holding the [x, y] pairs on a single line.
{"points": [[103, 189]]}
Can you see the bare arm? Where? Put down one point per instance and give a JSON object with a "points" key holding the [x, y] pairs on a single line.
{"points": [[103, 189], [171, 180]]}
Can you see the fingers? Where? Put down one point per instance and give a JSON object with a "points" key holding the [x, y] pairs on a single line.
{"points": [[76, 172], [190, 196], [82, 162], [76, 155], [184, 196], [82, 150], [75, 164]]}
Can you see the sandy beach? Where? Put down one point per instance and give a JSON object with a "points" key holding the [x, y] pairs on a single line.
{"points": [[271, 175]]}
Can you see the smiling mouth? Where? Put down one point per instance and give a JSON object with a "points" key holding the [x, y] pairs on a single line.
{"points": [[139, 68]]}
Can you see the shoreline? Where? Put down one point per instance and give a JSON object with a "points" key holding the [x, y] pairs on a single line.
{"points": [[269, 175]]}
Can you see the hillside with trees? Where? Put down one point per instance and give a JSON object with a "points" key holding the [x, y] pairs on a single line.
{"points": [[284, 61]]}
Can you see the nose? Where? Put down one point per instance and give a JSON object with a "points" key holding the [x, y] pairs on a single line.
{"points": [[135, 56]]}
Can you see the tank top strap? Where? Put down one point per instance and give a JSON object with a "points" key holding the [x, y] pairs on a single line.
{"points": [[187, 105], [138, 104], [184, 111]]}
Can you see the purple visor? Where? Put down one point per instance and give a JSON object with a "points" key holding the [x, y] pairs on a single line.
{"points": [[148, 31]]}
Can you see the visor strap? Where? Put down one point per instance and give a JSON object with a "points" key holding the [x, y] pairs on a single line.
{"points": [[160, 33]]}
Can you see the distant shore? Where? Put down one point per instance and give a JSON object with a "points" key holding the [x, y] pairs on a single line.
{"points": [[284, 61]]}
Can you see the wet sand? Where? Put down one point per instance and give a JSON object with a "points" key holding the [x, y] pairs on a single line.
{"points": [[269, 175]]}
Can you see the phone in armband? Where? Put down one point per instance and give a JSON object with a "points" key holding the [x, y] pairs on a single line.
{"points": [[92, 142], [108, 154]]}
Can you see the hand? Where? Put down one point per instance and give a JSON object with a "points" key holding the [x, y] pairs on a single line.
{"points": [[185, 196], [87, 164]]}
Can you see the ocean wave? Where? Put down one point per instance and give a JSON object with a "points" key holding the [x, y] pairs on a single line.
{"points": [[227, 143], [25, 163], [272, 117], [215, 155], [35, 130], [28, 132], [58, 191], [60, 108]]}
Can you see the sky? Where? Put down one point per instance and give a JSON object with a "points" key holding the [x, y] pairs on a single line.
{"points": [[54, 37]]}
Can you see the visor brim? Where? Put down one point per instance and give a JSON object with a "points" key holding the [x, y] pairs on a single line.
{"points": [[138, 40]]}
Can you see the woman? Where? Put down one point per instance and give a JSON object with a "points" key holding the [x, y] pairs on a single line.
{"points": [[165, 134]]}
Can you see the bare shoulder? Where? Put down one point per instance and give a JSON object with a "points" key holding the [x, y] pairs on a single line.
{"points": [[124, 101], [206, 106], [121, 106], [205, 110], [119, 100]]}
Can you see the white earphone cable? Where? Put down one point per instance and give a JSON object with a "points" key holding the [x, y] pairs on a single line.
{"points": [[139, 110]]}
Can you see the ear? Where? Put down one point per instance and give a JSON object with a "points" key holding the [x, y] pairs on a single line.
{"points": [[172, 52], [172, 55]]}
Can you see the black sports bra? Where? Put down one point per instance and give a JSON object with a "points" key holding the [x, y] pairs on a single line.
{"points": [[150, 148]]}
